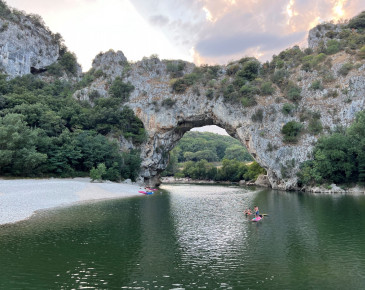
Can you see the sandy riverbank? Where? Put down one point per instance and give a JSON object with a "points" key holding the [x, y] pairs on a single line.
{"points": [[20, 198]]}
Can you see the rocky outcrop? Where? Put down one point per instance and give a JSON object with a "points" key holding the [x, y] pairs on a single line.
{"points": [[26, 46], [322, 33], [167, 115]]}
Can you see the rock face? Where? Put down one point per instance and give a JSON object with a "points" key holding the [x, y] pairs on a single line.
{"points": [[322, 34], [167, 115], [25, 46]]}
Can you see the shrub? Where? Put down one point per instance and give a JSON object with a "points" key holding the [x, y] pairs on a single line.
{"points": [[120, 89], [232, 69], [248, 90], [178, 85], [315, 126], [248, 102], [279, 77], [345, 68], [332, 94], [191, 79], [293, 92], [175, 68], [328, 77], [333, 46], [291, 131], [97, 173], [361, 53], [168, 103], [258, 116], [358, 21], [267, 89], [287, 108], [69, 62], [209, 94], [249, 70], [316, 85]]}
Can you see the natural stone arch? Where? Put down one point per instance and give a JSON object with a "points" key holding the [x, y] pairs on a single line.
{"points": [[167, 115], [165, 126]]}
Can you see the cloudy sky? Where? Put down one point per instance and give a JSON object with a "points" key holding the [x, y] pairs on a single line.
{"points": [[203, 31]]}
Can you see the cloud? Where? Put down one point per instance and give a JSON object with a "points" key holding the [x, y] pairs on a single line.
{"points": [[219, 30], [159, 20], [226, 45]]}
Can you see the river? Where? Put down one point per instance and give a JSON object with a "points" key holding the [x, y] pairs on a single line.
{"points": [[191, 237]]}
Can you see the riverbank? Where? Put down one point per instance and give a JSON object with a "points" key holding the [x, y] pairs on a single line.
{"points": [[21, 198]]}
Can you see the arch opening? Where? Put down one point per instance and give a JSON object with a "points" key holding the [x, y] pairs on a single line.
{"points": [[203, 144]]}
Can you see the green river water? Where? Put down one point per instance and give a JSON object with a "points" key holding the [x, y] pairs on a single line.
{"points": [[190, 237]]}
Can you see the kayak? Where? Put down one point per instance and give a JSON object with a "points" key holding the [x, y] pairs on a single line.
{"points": [[256, 219], [146, 192]]}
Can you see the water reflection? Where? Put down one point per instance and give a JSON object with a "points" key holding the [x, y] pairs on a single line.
{"points": [[191, 237]]}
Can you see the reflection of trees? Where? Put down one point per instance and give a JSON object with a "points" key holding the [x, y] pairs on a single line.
{"points": [[81, 244]]}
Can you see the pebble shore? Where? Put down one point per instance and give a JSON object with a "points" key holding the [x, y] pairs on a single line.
{"points": [[21, 198]]}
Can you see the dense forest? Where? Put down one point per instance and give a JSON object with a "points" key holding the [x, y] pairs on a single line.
{"points": [[44, 131], [209, 156], [337, 158]]}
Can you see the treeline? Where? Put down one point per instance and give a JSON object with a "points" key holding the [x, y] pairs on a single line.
{"points": [[209, 156], [44, 131], [338, 158], [231, 170], [195, 146]]}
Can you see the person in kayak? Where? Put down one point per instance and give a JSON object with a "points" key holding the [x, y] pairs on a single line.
{"points": [[247, 212], [256, 209]]}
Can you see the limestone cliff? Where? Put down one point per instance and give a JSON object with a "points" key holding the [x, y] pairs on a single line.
{"points": [[26, 45], [167, 115]]}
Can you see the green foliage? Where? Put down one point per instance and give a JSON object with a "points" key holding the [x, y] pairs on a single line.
{"points": [[345, 68], [249, 70], [258, 116], [311, 62], [361, 53], [287, 108], [168, 103], [179, 85], [209, 94], [267, 89], [237, 152], [293, 92], [194, 142], [279, 77], [291, 131], [333, 46], [316, 85], [337, 158], [18, 147], [65, 141], [175, 68], [231, 170], [315, 126], [121, 90], [357, 22], [69, 62], [97, 173]]}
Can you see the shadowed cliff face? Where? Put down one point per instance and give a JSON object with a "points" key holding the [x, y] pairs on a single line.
{"points": [[167, 115]]}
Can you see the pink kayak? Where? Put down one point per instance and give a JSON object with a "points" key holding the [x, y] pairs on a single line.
{"points": [[146, 192], [256, 219]]}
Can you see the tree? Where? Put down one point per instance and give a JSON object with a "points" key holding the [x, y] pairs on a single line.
{"points": [[238, 153], [97, 173], [18, 151]]}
